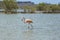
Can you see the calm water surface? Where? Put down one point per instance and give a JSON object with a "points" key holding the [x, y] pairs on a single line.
{"points": [[46, 27]]}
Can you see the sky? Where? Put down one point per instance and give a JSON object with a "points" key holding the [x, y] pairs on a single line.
{"points": [[46, 1]]}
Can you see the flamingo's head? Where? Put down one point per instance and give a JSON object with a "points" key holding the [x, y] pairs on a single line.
{"points": [[23, 19]]}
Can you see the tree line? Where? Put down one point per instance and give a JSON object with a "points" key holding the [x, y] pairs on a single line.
{"points": [[48, 7], [11, 6]]}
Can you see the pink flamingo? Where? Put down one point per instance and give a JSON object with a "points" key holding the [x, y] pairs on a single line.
{"points": [[28, 21]]}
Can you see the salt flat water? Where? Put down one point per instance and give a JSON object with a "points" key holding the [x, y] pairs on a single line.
{"points": [[45, 27]]}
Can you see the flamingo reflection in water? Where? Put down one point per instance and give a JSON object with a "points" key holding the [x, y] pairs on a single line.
{"points": [[28, 35], [29, 22]]}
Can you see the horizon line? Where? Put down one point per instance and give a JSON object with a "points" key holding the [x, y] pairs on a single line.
{"points": [[34, 2]]}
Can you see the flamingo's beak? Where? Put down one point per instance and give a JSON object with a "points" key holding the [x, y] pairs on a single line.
{"points": [[23, 19]]}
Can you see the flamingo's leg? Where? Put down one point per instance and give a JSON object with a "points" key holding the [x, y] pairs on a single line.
{"points": [[31, 26], [28, 26]]}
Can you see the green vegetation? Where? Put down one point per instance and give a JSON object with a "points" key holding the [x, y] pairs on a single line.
{"points": [[48, 7], [10, 6], [29, 9]]}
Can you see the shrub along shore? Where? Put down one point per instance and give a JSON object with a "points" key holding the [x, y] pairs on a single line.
{"points": [[48, 8], [10, 6]]}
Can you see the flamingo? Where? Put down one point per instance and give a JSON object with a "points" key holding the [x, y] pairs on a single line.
{"points": [[28, 21]]}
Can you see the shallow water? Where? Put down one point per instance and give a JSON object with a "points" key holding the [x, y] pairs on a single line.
{"points": [[45, 27]]}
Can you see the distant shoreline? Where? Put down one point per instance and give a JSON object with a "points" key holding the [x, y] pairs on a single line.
{"points": [[38, 12]]}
